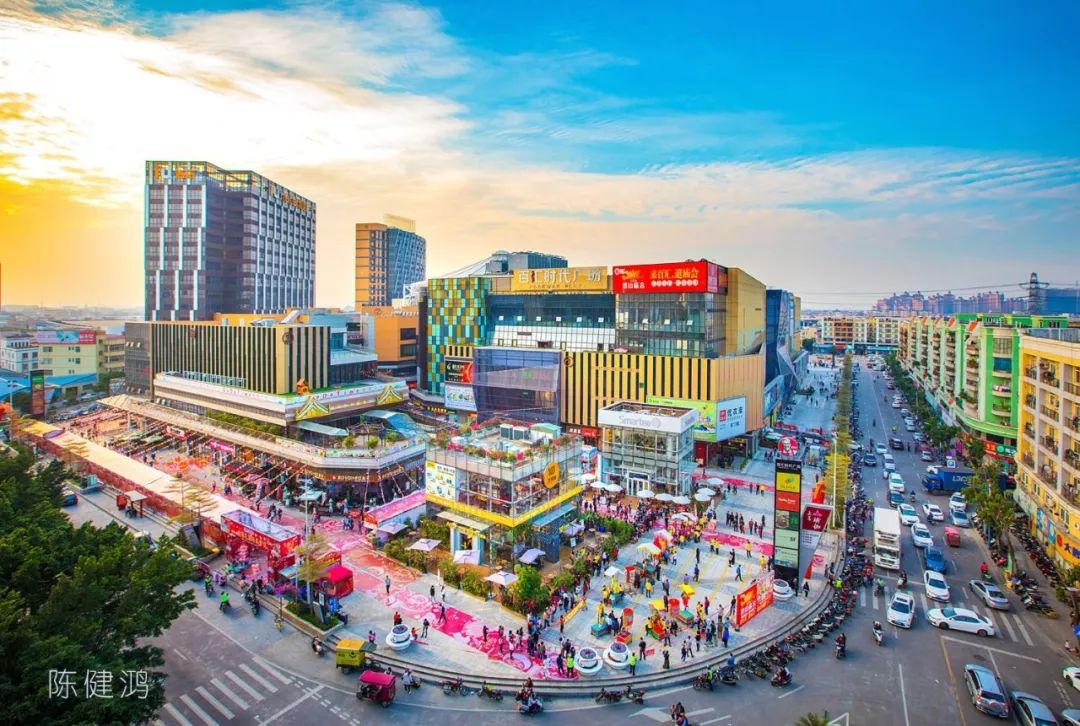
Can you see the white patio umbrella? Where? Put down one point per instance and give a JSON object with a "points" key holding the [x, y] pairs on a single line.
{"points": [[663, 534], [702, 497], [529, 556], [715, 481], [599, 485], [707, 491], [586, 478], [467, 557], [664, 497], [682, 500], [424, 545], [645, 494], [648, 547], [502, 578], [685, 516], [614, 488], [612, 571]]}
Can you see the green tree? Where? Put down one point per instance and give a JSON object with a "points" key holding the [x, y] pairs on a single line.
{"points": [[975, 455], [814, 719], [78, 600], [310, 553], [528, 591]]}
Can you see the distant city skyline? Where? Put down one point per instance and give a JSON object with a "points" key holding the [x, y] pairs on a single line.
{"points": [[815, 147]]}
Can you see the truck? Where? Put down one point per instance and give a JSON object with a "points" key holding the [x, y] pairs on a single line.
{"points": [[947, 479], [887, 538]]}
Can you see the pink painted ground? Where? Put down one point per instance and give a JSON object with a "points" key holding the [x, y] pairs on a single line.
{"points": [[397, 506]]}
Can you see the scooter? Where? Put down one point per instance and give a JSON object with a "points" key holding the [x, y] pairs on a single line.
{"points": [[782, 678], [606, 696], [224, 606], [490, 693], [530, 708], [841, 651], [729, 677], [636, 695], [879, 634], [317, 647], [208, 585], [255, 607]]}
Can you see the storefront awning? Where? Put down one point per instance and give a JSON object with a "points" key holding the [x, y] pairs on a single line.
{"points": [[557, 513], [474, 524], [317, 428]]}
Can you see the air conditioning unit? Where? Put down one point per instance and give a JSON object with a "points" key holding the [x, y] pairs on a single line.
{"points": [[506, 431], [521, 433]]}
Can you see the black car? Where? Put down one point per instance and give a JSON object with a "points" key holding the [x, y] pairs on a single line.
{"points": [[869, 460], [895, 442]]}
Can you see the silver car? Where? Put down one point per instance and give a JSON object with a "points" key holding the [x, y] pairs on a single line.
{"points": [[1030, 711], [990, 594], [987, 693]]}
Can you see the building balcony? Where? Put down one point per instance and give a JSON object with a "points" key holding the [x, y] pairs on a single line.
{"points": [[1050, 380], [1029, 401], [1029, 431], [1049, 476], [1028, 460], [1050, 444], [1031, 373], [1072, 458], [1000, 410], [1073, 389], [1051, 413], [1002, 374]]}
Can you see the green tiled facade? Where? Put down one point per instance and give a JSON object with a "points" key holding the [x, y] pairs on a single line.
{"points": [[457, 316]]}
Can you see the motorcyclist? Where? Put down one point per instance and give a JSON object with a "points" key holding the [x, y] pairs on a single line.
{"points": [[224, 601], [877, 628], [841, 642], [782, 674], [902, 580], [912, 496], [316, 646], [879, 585], [984, 569], [486, 689]]}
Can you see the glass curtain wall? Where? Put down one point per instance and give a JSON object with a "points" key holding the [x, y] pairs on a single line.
{"points": [[688, 325]]}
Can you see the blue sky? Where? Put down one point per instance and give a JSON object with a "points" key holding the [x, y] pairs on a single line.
{"points": [[914, 145]]}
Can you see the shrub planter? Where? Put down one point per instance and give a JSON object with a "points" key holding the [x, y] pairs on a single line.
{"points": [[587, 662], [617, 656], [399, 638]]}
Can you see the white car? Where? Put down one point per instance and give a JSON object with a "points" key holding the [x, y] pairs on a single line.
{"points": [[936, 587], [917, 437], [901, 610], [889, 458], [896, 483], [957, 501], [920, 535], [881, 448], [1071, 674], [895, 403], [933, 512], [908, 515], [962, 619]]}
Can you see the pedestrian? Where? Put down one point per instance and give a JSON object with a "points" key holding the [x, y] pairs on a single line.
{"points": [[431, 592], [562, 624], [697, 640], [706, 606], [633, 662], [641, 647], [725, 635], [749, 549], [667, 659], [738, 573], [648, 588], [386, 582], [570, 665], [731, 607], [442, 613], [697, 556], [559, 663], [689, 648], [731, 560], [697, 573], [682, 652], [806, 589], [423, 633], [485, 632]]}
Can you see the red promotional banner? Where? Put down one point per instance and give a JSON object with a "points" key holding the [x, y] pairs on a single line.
{"points": [[788, 501], [666, 277], [753, 600]]}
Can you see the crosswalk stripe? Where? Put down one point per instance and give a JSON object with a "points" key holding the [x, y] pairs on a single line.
{"points": [[258, 679], [1009, 627], [271, 670], [175, 713], [862, 598], [203, 715], [209, 698], [229, 694], [925, 602], [873, 598], [240, 682], [989, 616], [1023, 630]]}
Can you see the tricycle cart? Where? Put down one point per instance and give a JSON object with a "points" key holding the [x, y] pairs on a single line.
{"points": [[353, 654], [376, 687]]}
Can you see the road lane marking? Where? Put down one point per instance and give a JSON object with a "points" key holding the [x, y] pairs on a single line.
{"points": [[903, 694], [209, 698], [925, 602], [203, 715], [240, 682], [258, 679], [175, 713], [792, 691], [699, 712], [990, 648], [294, 704], [714, 720], [873, 598], [271, 670], [990, 617], [862, 597], [1023, 630], [952, 679], [229, 694], [1008, 626]]}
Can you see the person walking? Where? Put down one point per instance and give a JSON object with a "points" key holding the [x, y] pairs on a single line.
{"points": [[806, 589], [423, 632], [749, 549], [682, 652], [667, 659], [431, 592], [570, 665], [386, 583], [559, 665], [738, 573], [725, 635], [731, 559], [442, 613], [641, 647], [633, 663], [707, 603], [562, 624], [648, 588], [689, 648], [697, 574]]}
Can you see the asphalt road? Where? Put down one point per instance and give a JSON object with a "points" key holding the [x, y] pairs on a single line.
{"points": [[227, 669]]}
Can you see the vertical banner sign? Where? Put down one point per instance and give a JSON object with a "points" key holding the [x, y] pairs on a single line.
{"points": [[815, 517], [787, 507], [37, 393]]}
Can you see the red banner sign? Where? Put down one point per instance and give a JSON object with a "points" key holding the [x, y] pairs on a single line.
{"points": [[753, 600], [260, 540], [672, 277]]}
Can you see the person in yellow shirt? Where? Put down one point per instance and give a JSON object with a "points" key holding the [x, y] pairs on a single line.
{"points": [[648, 589]]}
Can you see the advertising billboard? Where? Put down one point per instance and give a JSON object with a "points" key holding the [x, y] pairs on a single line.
{"points": [[665, 277], [458, 370], [815, 518], [459, 398], [717, 420], [730, 418], [787, 519], [643, 420], [570, 279], [65, 337], [37, 393], [752, 600], [441, 480]]}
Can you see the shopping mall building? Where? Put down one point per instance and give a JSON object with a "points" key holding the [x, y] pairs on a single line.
{"points": [[558, 345]]}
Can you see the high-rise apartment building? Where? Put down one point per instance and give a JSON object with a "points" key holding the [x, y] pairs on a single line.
{"points": [[1048, 453], [389, 257], [224, 241]]}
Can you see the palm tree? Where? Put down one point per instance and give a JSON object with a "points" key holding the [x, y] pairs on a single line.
{"points": [[814, 719]]}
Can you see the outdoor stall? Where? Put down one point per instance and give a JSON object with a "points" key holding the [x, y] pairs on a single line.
{"points": [[337, 582], [398, 511], [259, 547]]}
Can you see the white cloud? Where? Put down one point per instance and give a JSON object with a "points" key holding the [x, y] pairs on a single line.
{"points": [[311, 98]]}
